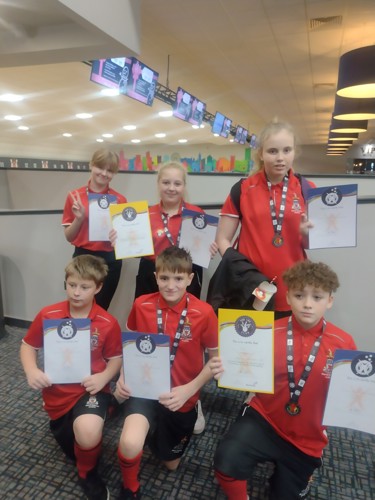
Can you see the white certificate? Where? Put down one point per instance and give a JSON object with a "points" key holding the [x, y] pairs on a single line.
{"points": [[351, 394], [246, 348], [99, 217], [67, 350], [132, 223], [198, 231], [146, 364], [333, 211]]}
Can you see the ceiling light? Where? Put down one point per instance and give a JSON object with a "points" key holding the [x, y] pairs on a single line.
{"points": [[107, 136], [357, 73], [182, 141], [23, 127], [83, 116], [99, 140], [160, 136], [67, 134], [354, 109], [216, 135], [11, 98], [340, 144], [347, 127], [110, 92], [334, 136], [12, 118], [195, 126], [129, 127], [165, 114], [136, 141], [202, 125]]}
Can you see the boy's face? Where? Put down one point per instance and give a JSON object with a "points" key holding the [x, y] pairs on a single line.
{"points": [[172, 285], [309, 304], [80, 293]]}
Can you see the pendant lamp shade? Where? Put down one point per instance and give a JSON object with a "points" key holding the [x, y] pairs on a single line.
{"points": [[357, 73], [349, 126], [340, 137], [354, 109]]}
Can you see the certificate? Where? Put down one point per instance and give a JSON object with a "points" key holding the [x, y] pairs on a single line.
{"points": [[246, 349], [67, 350], [132, 223], [146, 364], [333, 211], [351, 394], [198, 231], [99, 217]]}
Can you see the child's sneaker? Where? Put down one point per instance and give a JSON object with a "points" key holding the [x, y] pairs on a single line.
{"points": [[94, 486], [200, 423], [126, 494]]}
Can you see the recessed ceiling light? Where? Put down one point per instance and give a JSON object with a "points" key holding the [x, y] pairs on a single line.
{"points": [[202, 125], [83, 116], [23, 127], [99, 140], [182, 140], [107, 136], [160, 136], [110, 92], [165, 114], [195, 126], [216, 135], [129, 127], [12, 118], [231, 140], [67, 134], [136, 141], [11, 97]]}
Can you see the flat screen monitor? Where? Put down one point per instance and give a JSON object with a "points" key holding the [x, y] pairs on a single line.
{"points": [[221, 125], [240, 135], [129, 75], [253, 141], [188, 108]]}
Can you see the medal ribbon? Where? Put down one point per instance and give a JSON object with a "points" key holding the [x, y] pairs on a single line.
{"points": [[164, 218], [178, 333], [295, 391], [277, 222]]}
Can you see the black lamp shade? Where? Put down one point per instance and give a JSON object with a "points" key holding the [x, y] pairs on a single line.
{"points": [[357, 73], [354, 109]]}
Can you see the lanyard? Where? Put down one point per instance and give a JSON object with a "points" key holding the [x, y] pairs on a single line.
{"points": [[167, 233], [277, 222], [178, 333], [292, 407]]}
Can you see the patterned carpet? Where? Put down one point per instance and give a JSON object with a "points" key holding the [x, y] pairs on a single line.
{"points": [[32, 466]]}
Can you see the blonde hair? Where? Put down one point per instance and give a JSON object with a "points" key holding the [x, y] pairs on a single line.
{"points": [[103, 158], [272, 128], [87, 267], [172, 164]]}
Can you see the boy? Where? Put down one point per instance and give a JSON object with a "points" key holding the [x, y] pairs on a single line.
{"points": [[77, 411], [286, 427], [192, 326]]}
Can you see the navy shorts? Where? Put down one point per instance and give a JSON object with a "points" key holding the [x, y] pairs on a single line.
{"points": [[62, 428], [252, 440], [170, 432]]}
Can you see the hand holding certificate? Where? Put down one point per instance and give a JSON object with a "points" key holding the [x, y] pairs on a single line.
{"points": [[351, 394], [198, 231], [99, 217], [67, 350], [333, 211], [132, 223], [146, 364], [246, 350]]}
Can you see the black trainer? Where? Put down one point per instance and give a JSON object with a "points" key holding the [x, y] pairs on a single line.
{"points": [[94, 486], [126, 494]]}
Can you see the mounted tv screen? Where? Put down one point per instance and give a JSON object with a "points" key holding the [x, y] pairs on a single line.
{"points": [[244, 136], [253, 141], [130, 76], [240, 135], [188, 108], [221, 125]]}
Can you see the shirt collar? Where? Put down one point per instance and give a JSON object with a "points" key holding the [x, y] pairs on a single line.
{"points": [[315, 331], [178, 308]]}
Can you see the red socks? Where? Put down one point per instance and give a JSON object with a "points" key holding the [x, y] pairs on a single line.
{"points": [[129, 470], [235, 489], [86, 459]]}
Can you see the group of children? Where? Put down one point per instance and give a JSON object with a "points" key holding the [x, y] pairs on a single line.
{"points": [[284, 428]]}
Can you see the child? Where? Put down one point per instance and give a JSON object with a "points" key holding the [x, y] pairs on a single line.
{"points": [[286, 427], [169, 422], [77, 411]]}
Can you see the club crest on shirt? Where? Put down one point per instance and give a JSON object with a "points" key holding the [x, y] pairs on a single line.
{"points": [[92, 402], [296, 206], [186, 335], [94, 340], [159, 233], [327, 369]]}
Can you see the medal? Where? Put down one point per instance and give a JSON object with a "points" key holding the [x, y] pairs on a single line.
{"points": [[293, 409], [277, 240]]}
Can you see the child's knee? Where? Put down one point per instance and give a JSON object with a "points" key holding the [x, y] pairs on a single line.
{"points": [[88, 430]]}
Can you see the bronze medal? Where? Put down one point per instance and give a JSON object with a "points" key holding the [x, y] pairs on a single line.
{"points": [[292, 408], [277, 241]]}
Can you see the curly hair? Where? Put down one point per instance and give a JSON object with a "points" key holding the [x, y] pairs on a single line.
{"points": [[316, 274]]}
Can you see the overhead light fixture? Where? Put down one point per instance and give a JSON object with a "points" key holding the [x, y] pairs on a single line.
{"points": [[83, 116], [12, 118], [67, 134], [356, 77], [160, 135], [135, 141], [129, 127], [11, 97], [340, 144], [110, 92], [334, 136], [166, 114], [23, 127], [107, 135], [182, 141], [349, 126], [354, 109]]}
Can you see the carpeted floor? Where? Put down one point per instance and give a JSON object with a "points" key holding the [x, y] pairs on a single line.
{"points": [[32, 466]]}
